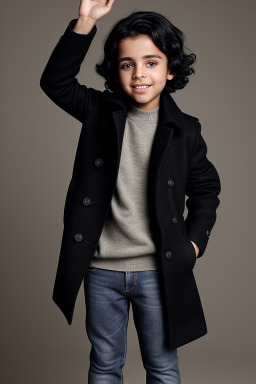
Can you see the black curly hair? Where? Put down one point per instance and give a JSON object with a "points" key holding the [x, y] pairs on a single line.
{"points": [[168, 38]]}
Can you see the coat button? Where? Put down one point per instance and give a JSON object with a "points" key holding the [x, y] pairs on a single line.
{"points": [[78, 237], [170, 183], [168, 255], [208, 233], [99, 162], [87, 201], [174, 219]]}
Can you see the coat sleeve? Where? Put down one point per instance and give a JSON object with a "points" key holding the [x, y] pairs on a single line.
{"points": [[203, 188], [59, 81]]}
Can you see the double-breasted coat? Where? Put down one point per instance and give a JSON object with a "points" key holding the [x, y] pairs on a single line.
{"points": [[178, 167]]}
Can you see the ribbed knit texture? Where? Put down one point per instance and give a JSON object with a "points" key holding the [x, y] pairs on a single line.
{"points": [[126, 243]]}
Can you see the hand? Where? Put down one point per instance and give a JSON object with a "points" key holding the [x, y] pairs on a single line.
{"points": [[95, 9], [196, 247]]}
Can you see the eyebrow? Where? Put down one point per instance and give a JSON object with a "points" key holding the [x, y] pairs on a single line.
{"points": [[143, 57]]}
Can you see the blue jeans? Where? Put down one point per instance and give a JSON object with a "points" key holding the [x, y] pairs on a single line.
{"points": [[107, 296]]}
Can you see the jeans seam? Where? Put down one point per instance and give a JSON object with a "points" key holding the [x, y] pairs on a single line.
{"points": [[125, 344]]}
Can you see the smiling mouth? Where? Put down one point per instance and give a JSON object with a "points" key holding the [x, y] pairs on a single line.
{"points": [[142, 86]]}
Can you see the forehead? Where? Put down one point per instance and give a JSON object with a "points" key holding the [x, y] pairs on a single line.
{"points": [[137, 46]]}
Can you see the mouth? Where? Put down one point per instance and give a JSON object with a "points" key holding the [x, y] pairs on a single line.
{"points": [[141, 88]]}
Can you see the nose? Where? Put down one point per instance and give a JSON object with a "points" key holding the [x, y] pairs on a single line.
{"points": [[138, 73], [135, 76]]}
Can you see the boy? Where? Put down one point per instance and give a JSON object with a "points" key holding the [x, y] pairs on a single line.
{"points": [[138, 156]]}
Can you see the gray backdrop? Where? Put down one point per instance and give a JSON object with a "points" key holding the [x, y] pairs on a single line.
{"points": [[38, 146]]}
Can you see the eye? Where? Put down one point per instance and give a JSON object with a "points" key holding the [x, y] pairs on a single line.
{"points": [[124, 66], [152, 62]]}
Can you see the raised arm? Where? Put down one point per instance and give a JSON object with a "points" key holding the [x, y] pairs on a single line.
{"points": [[59, 80]]}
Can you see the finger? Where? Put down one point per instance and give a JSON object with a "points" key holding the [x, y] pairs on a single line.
{"points": [[110, 3]]}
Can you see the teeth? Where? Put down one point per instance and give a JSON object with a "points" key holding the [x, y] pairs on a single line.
{"points": [[144, 86]]}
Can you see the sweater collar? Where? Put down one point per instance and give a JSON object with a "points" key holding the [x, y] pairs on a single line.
{"points": [[141, 116], [169, 112]]}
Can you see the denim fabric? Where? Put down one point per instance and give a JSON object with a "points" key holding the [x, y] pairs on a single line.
{"points": [[108, 294]]}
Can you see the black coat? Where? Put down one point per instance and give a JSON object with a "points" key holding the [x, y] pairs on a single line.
{"points": [[178, 166]]}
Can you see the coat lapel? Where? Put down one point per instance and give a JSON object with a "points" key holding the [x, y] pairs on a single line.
{"points": [[169, 112], [170, 116]]}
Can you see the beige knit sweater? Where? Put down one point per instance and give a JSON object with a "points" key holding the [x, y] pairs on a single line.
{"points": [[125, 243]]}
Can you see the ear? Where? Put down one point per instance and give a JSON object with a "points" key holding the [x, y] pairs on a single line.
{"points": [[170, 75]]}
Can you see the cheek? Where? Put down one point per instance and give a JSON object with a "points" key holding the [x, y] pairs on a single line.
{"points": [[159, 76], [122, 78]]}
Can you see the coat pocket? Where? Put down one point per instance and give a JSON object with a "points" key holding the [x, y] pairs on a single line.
{"points": [[192, 251]]}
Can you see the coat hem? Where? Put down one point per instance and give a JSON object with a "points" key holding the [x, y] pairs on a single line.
{"points": [[68, 317], [187, 341]]}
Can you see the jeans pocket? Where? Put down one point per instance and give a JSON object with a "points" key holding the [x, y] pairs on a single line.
{"points": [[91, 269]]}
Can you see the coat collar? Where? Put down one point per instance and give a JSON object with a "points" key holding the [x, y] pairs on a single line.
{"points": [[169, 112]]}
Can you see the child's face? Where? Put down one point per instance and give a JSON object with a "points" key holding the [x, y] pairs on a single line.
{"points": [[135, 69]]}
